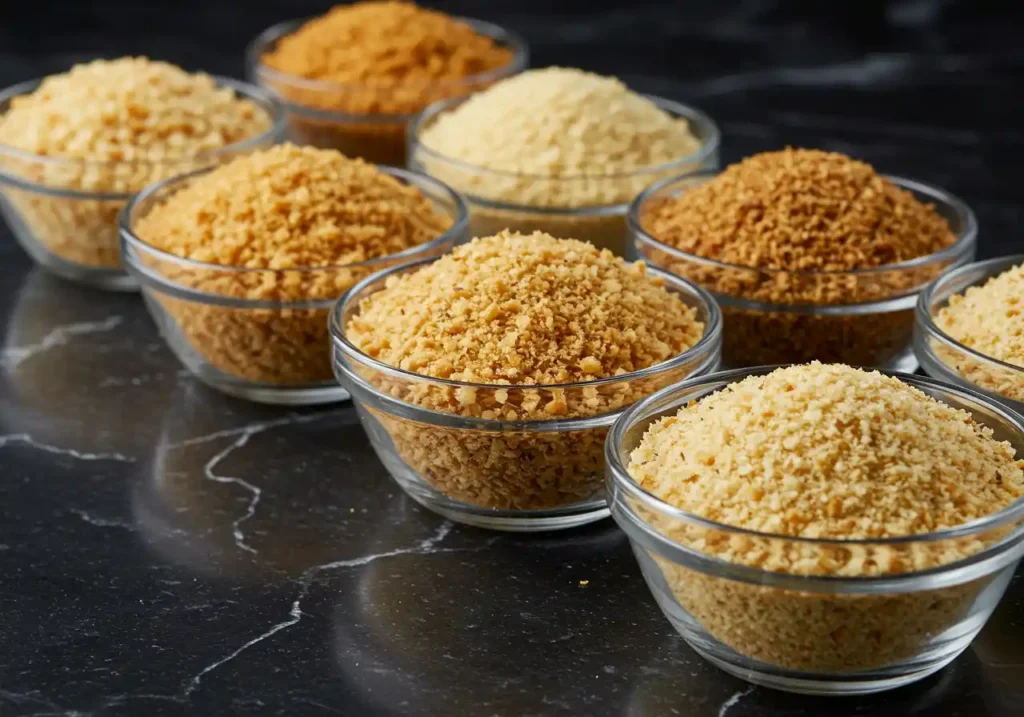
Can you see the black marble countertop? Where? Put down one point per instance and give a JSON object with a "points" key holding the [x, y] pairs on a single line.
{"points": [[165, 550]]}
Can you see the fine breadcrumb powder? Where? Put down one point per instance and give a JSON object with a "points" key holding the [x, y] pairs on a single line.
{"points": [[378, 58], [126, 123], [777, 217], [523, 312], [299, 218], [582, 140], [990, 320], [825, 452]]}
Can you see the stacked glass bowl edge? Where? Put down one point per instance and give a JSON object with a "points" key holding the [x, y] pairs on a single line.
{"points": [[73, 232], [862, 317], [231, 327], [603, 224], [375, 136], [945, 358], [514, 475], [815, 633]]}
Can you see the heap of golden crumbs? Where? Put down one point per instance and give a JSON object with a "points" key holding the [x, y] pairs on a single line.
{"points": [[121, 124], [526, 312], [286, 208], [825, 452]]}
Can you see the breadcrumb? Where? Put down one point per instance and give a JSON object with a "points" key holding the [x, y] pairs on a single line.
{"points": [[287, 209], [989, 318]]}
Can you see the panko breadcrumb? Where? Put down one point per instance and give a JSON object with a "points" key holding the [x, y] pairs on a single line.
{"points": [[831, 453], [301, 219], [990, 320], [583, 141], [113, 126], [380, 59], [533, 313], [790, 224]]}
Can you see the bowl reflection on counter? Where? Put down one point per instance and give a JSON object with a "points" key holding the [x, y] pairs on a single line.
{"points": [[236, 490]]}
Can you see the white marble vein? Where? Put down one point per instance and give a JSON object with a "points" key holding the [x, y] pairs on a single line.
{"points": [[102, 522], [12, 356], [427, 546], [27, 440], [254, 491], [292, 419], [733, 701]]}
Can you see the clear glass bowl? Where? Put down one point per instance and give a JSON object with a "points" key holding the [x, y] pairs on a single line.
{"points": [[64, 217], [260, 334], [945, 358], [346, 118], [518, 474], [809, 630], [600, 220], [862, 318]]}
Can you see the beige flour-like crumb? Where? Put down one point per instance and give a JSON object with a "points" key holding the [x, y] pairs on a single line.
{"points": [[825, 452], [525, 312], [301, 220]]}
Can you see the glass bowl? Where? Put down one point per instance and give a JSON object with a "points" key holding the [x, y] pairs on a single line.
{"points": [[517, 474], [863, 317], [809, 630], [601, 221], [64, 217], [260, 334], [947, 359], [344, 117]]}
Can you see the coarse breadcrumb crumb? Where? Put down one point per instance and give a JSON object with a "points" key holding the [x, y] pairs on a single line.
{"points": [[519, 313], [301, 219], [526, 310], [989, 318], [291, 207], [799, 210], [828, 451]]}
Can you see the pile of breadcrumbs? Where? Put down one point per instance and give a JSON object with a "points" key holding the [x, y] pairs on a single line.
{"points": [[520, 312], [990, 320], [825, 452], [121, 124], [377, 58], [301, 219], [777, 214], [587, 141]]}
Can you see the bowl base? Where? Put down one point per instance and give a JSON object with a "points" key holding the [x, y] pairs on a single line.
{"points": [[527, 521], [96, 277], [276, 395], [824, 687]]}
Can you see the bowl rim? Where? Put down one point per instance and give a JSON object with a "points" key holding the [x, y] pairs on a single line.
{"points": [[694, 117], [621, 482], [265, 100], [965, 240], [131, 242], [709, 339], [924, 315], [261, 44]]}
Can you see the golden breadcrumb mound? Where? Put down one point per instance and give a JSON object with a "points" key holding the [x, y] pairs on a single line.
{"points": [[129, 110], [528, 310], [301, 219], [828, 451], [989, 318], [799, 210], [290, 207], [368, 46]]}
